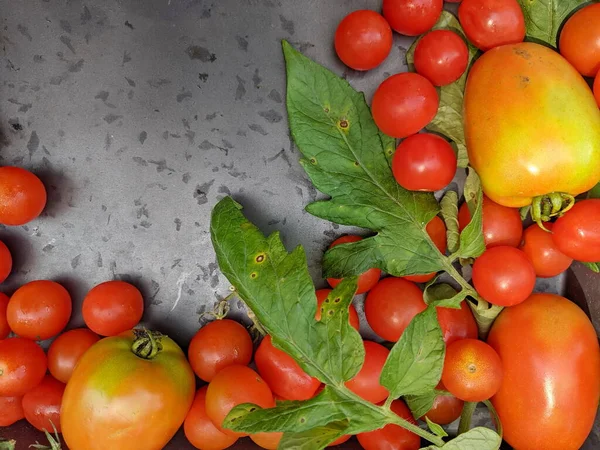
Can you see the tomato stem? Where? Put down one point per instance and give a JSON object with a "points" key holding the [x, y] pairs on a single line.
{"points": [[146, 344], [466, 416]]}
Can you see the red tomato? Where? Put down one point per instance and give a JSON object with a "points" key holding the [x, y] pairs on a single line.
{"points": [[366, 382], [436, 229], [233, 386], [200, 431], [42, 404], [11, 410], [22, 364], [547, 260], [4, 328], [217, 345], [363, 40], [457, 324], [352, 314], [580, 40], [5, 262], [577, 233], [491, 23], [441, 56], [365, 280], [503, 276], [446, 408], [597, 89], [112, 308], [424, 162], [66, 350], [392, 437], [501, 225], [22, 196], [39, 310], [340, 441], [269, 441], [412, 17], [404, 104], [283, 375]]}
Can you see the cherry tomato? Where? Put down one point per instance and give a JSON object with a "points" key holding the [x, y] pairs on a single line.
{"points": [[39, 310], [363, 40], [501, 225], [42, 404], [441, 56], [366, 382], [547, 260], [457, 324], [436, 229], [503, 276], [269, 441], [233, 386], [580, 40], [472, 370], [5, 262], [404, 104], [424, 162], [491, 23], [412, 17], [577, 233], [446, 408], [200, 431], [392, 437], [22, 196], [66, 350], [597, 89], [4, 328], [365, 280], [23, 364], [11, 410], [340, 441], [283, 375], [112, 308], [217, 345], [352, 314]]}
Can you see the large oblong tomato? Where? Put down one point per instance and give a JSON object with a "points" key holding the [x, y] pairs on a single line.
{"points": [[128, 391], [551, 359]]}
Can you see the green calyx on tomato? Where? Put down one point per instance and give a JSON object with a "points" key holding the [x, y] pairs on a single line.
{"points": [[545, 207], [146, 344]]}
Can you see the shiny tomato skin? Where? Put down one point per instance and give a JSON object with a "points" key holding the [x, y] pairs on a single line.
{"points": [[363, 40], [219, 344], [597, 89], [42, 404], [66, 350], [441, 56], [457, 324], [352, 314], [392, 437], [579, 40], [547, 260], [4, 328], [404, 104], [436, 229], [5, 262], [22, 196], [23, 364], [577, 233], [11, 410], [366, 382], [270, 441], [340, 441], [549, 350], [412, 17], [126, 401], [446, 408], [367, 279]]}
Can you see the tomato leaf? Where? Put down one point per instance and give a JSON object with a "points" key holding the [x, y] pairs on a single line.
{"points": [[435, 428], [594, 192], [420, 404], [472, 243], [7, 444], [315, 439], [594, 267], [443, 295], [449, 205], [479, 438]]}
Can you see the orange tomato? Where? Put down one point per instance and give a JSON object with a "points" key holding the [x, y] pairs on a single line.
{"points": [[270, 441], [445, 409], [22, 196], [5, 262], [580, 40], [66, 351], [4, 328], [11, 410]]}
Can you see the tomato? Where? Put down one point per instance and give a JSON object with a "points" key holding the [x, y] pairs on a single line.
{"points": [[491, 23], [457, 323], [404, 104], [366, 382], [547, 260], [128, 391], [365, 280], [446, 408], [200, 431], [42, 404], [363, 40], [11, 411], [503, 276], [112, 308], [597, 89], [269, 441], [436, 229], [392, 437], [340, 441], [579, 40], [441, 56], [549, 350], [577, 233], [352, 314], [22, 196], [5, 262], [412, 17], [217, 345], [66, 350], [424, 162], [23, 364], [4, 328]]}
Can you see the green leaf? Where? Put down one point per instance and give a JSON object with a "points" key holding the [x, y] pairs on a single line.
{"points": [[7, 444], [435, 428], [479, 438], [419, 405], [472, 243], [414, 365], [315, 439], [443, 295], [449, 205], [594, 192], [495, 417], [594, 267], [524, 211]]}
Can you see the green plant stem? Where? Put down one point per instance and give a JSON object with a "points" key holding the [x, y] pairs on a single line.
{"points": [[466, 416], [469, 290]]}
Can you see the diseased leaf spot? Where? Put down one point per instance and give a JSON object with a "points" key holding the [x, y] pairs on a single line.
{"points": [[302, 420], [343, 124], [313, 161], [337, 300], [356, 163], [253, 275], [326, 109], [330, 312], [252, 409], [260, 258]]}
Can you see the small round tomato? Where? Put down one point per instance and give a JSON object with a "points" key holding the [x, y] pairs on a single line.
{"points": [[547, 260], [366, 382], [5, 262], [424, 162], [363, 40], [404, 104], [577, 233], [597, 89], [233, 386], [23, 364], [501, 225], [436, 229], [441, 56], [412, 17], [503, 276], [340, 440], [22, 196], [392, 436], [352, 314], [219, 344], [365, 280], [283, 374], [580, 40], [42, 404], [39, 310], [491, 23], [472, 370], [11, 410], [66, 350], [270, 441], [446, 408], [200, 431], [457, 323], [112, 308], [4, 328]]}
